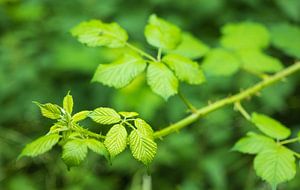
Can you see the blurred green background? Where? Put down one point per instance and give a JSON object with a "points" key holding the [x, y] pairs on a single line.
{"points": [[40, 61]]}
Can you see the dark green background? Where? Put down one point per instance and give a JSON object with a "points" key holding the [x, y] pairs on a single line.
{"points": [[39, 60]]}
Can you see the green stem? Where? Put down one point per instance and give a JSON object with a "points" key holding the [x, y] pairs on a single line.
{"points": [[89, 133], [141, 52], [226, 101], [290, 141], [188, 104], [159, 55], [240, 108]]}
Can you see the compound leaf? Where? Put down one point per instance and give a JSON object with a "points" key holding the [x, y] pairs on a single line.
{"points": [[246, 35], [116, 140], [275, 165], [253, 143], [96, 33], [270, 126], [162, 34], [121, 72], [184, 68], [161, 80], [220, 62], [190, 47], [104, 115], [49, 110], [74, 152], [40, 145]]}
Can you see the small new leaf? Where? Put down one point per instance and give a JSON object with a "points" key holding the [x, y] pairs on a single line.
{"points": [[253, 143], [184, 68], [80, 116], [220, 62], [97, 147], [270, 126], [161, 80], [49, 110], [96, 33], [68, 103], [190, 47], [105, 116], [40, 145], [116, 140], [275, 165], [74, 152], [162, 34], [128, 114], [142, 146], [121, 72]]}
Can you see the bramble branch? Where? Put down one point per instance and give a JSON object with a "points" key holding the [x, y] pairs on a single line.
{"points": [[226, 101]]}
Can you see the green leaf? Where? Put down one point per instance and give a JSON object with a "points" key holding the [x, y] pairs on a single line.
{"points": [[128, 114], [49, 110], [245, 35], [220, 62], [286, 38], [40, 145], [80, 115], [96, 33], [105, 116], [74, 152], [116, 140], [97, 147], [142, 146], [68, 103], [270, 126], [185, 69], [162, 34], [190, 47], [121, 72], [257, 61], [161, 80], [143, 127], [253, 143], [275, 165]]}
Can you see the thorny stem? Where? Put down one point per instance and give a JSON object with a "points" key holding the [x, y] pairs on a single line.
{"points": [[89, 133], [240, 108], [141, 52], [188, 104], [226, 101]]}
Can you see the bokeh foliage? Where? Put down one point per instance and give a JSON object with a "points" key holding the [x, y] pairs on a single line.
{"points": [[39, 60]]}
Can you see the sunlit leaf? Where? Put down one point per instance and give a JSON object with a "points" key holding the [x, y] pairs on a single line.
{"points": [[116, 140], [49, 110], [104, 115], [162, 80], [220, 62], [74, 152], [40, 145], [190, 47], [185, 69], [97, 147], [68, 103], [80, 116], [275, 165], [128, 114], [96, 33], [162, 34], [121, 72], [253, 143], [245, 35], [270, 126], [257, 61]]}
